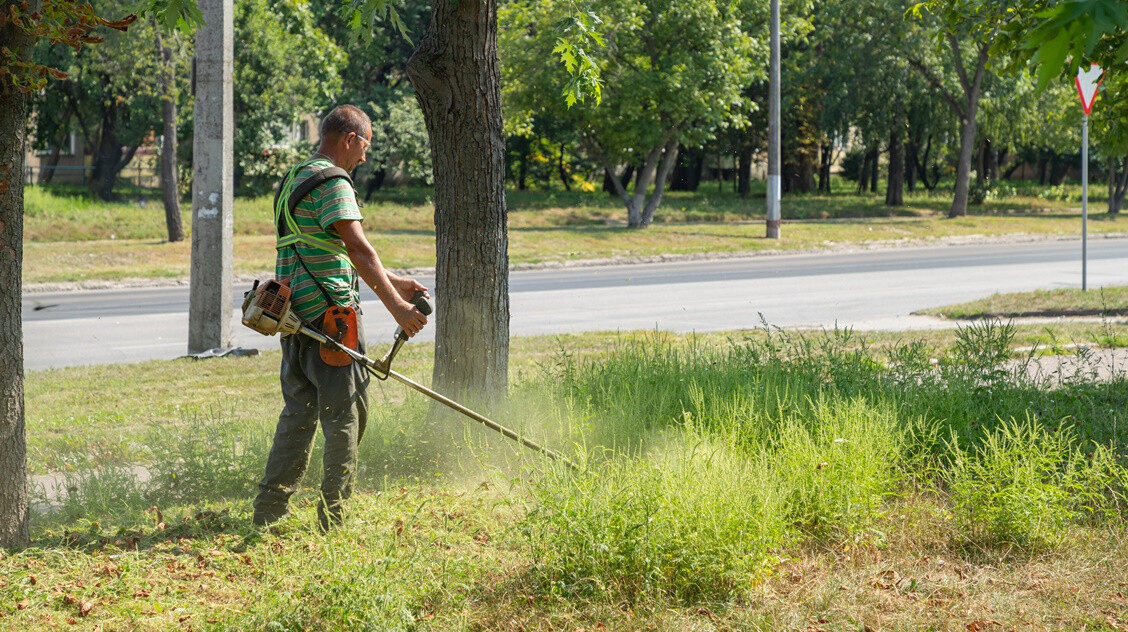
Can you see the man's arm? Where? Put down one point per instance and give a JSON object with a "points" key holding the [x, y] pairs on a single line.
{"points": [[393, 291]]}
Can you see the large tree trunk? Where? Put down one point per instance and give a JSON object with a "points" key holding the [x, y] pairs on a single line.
{"points": [[893, 189], [169, 187], [458, 84], [13, 442]]}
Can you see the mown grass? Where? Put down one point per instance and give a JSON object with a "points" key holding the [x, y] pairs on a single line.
{"points": [[776, 480], [69, 238], [1100, 301]]}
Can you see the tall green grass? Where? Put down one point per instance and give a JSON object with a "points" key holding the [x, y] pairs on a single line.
{"points": [[701, 466], [720, 457]]}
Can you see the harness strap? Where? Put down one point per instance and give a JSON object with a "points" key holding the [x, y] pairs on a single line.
{"points": [[287, 231]]}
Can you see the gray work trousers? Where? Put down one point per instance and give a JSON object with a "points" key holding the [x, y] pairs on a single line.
{"points": [[313, 390]]}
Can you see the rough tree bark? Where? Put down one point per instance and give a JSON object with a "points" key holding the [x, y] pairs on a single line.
{"points": [[458, 84], [169, 185], [894, 195], [13, 456]]}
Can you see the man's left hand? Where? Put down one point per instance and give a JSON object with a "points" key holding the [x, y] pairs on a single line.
{"points": [[408, 287]]}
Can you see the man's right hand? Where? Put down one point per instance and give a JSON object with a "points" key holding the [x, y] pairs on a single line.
{"points": [[409, 318]]}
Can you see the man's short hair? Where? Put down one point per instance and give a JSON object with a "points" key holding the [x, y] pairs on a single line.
{"points": [[345, 119]]}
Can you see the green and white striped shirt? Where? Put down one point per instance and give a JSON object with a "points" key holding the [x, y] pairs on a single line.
{"points": [[333, 201]]}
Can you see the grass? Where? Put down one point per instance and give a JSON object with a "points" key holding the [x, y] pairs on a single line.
{"points": [[1103, 301], [70, 238], [750, 480]]}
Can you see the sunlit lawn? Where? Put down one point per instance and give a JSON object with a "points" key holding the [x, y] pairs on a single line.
{"points": [[70, 238]]}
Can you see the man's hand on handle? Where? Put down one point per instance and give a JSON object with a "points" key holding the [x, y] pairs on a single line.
{"points": [[408, 315]]}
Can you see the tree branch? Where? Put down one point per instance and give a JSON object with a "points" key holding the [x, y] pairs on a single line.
{"points": [[957, 61], [934, 81]]}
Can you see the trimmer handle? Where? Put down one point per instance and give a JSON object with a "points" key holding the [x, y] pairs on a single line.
{"points": [[423, 304]]}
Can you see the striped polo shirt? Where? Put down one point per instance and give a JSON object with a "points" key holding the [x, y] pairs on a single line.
{"points": [[332, 201]]}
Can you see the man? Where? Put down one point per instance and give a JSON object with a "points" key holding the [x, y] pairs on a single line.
{"points": [[321, 251]]}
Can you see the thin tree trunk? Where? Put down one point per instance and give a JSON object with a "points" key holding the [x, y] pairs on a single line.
{"points": [[744, 171], [826, 157], [169, 185], [1116, 200], [563, 171], [967, 123], [46, 175], [14, 531], [637, 202], [668, 159], [458, 84], [875, 160], [910, 165], [894, 195], [1111, 167], [863, 174]]}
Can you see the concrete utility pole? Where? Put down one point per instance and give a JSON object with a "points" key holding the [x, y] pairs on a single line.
{"points": [[773, 214], [209, 311]]}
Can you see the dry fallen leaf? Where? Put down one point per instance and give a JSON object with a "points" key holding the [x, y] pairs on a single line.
{"points": [[23, 605], [84, 608]]}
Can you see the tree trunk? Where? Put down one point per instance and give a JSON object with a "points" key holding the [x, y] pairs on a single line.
{"points": [[875, 160], [744, 172], [826, 153], [14, 531], [893, 189], [863, 173], [910, 165], [993, 160], [564, 176], [45, 175], [667, 164], [375, 181], [457, 81], [687, 170], [981, 163], [169, 186], [107, 155], [1116, 197]]}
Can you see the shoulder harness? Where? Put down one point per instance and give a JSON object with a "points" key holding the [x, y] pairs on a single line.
{"points": [[286, 228]]}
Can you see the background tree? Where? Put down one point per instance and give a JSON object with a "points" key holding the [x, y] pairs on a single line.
{"points": [[285, 66], [170, 58], [965, 31], [674, 75]]}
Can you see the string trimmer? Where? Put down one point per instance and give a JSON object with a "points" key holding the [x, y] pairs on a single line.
{"points": [[266, 309]]}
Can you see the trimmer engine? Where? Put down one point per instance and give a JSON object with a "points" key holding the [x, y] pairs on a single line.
{"points": [[266, 309]]}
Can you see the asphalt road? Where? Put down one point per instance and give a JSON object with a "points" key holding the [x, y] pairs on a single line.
{"points": [[865, 290]]}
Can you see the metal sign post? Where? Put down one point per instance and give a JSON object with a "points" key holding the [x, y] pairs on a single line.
{"points": [[1084, 202], [1087, 82]]}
